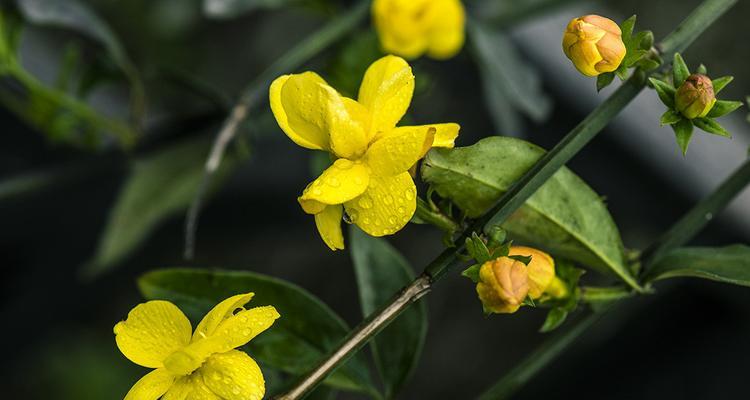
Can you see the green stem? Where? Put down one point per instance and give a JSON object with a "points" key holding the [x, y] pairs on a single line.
{"points": [[255, 92], [698, 217], [436, 218], [706, 13], [537, 360]]}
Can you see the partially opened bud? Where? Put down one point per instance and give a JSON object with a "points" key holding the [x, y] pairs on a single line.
{"points": [[541, 269], [695, 97], [594, 44], [503, 285]]}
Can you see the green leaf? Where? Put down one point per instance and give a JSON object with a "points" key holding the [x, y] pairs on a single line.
{"points": [[680, 71], [670, 117], [234, 8], [683, 131], [649, 64], [305, 333], [564, 216], [645, 40], [472, 272], [74, 15], [723, 107], [664, 90], [604, 80], [711, 126], [477, 249], [555, 318], [159, 186], [382, 271], [730, 264], [721, 83], [507, 78]]}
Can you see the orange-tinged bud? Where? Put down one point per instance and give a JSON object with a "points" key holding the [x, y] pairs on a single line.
{"points": [[594, 44], [695, 97], [503, 285], [541, 269]]}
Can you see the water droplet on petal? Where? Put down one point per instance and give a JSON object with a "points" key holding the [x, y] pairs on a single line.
{"points": [[401, 210], [343, 163], [409, 194], [365, 202], [388, 199]]}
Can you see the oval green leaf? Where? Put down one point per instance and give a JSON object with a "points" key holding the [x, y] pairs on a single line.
{"points": [[730, 264], [306, 331], [565, 216], [382, 271]]}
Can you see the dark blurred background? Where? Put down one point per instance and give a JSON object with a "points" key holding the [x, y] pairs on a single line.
{"points": [[689, 340]]}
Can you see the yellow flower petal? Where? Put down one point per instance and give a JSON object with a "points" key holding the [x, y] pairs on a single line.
{"points": [[329, 226], [152, 331], [349, 125], [180, 389], [445, 134], [234, 331], [541, 269], [198, 388], [311, 206], [152, 386], [447, 33], [300, 118], [386, 91], [219, 314], [399, 149], [386, 206], [233, 376], [342, 181]]}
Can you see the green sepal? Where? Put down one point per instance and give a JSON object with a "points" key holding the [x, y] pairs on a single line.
{"points": [[711, 126], [477, 248], [604, 80], [472, 273], [665, 91], [721, 83], [622, 71], [496, 235], [680, 71], [670, 117], [555, 318], [723, 107], [524, 259], [528, 301], [683, 131], [645, 40], [627, 26], [502, 251], [650, 64], [702, 70]]}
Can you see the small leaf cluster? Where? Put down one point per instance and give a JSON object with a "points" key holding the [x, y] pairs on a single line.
{"points": [[483, 250], [682, 126], [638, 54]]}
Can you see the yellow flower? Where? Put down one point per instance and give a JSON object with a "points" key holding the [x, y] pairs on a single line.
{"points": [[410, 28], [503, 285], [594, 44], [201, 366], [541, 269], [369, 177], [504, 282]]}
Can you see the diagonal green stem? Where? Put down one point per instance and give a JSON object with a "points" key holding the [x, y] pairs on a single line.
{"points": [[698, 217], [691, 28], [537, 360]]}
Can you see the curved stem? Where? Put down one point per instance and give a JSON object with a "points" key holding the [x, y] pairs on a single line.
{"points": [[436, 218], [696, 23], [252, 96]]}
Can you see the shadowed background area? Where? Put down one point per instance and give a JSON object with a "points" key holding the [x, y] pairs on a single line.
{"points": [[686, 341]]}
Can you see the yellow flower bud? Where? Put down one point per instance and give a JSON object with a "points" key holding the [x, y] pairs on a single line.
{"points": [[503, 285], [410, 28], [541, 269], [594, 44], [695, 97]]}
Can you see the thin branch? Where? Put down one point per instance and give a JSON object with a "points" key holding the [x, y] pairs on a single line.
{"points": [[254, 93]]}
